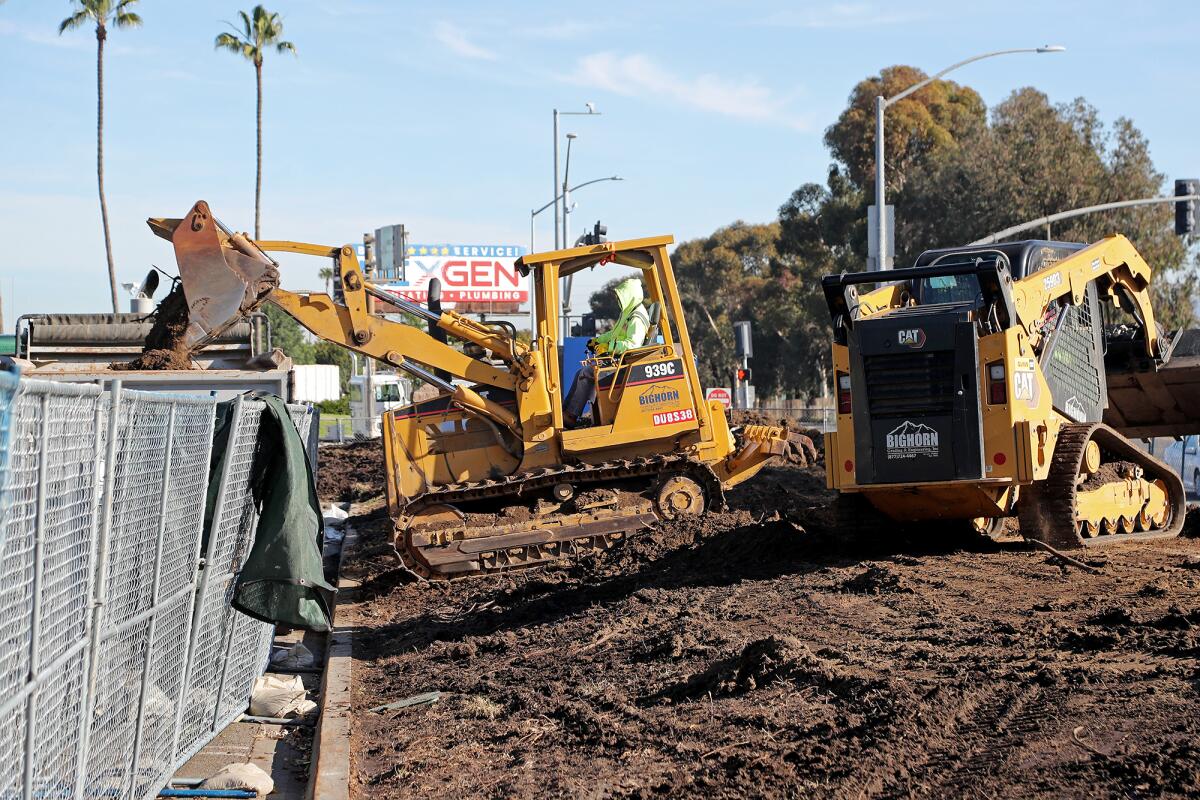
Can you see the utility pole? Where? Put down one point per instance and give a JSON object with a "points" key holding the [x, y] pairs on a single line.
{"points": [[368, 362]]}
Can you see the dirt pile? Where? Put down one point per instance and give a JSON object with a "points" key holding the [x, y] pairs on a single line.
{"points": [[740, 654], [350, 472], [165, 346], [876, 580], [1191, 525]]}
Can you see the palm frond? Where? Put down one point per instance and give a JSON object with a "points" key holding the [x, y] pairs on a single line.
{"points": [[127, 19], [74, 21], [227, 41], [285, 47], [247, 27]]}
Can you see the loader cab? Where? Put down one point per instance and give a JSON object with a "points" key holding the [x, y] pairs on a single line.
{"points": [[648, 393], [1021, 259]]}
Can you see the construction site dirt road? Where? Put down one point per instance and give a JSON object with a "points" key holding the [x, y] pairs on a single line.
{"points": [[748, 653]]}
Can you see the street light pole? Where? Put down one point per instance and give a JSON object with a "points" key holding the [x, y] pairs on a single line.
{"points": [[881, 256], [533, 213], [881, 104], [566, 194], [591, 112], [554, 187]]}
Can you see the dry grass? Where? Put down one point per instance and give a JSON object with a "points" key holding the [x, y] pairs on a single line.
{"points": [[481, 708]]}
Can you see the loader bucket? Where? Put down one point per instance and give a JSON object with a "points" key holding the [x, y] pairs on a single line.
{"points": [[1147, 398], [225, 275]]}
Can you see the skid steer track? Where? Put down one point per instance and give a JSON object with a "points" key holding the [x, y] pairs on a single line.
{"points": [[450, 547], [1048, 509]]}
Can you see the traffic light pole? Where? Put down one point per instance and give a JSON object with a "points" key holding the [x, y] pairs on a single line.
{"points": [[1078, 212]]}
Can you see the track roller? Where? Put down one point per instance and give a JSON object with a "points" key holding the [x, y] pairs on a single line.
{"points": [[1139, 502]]}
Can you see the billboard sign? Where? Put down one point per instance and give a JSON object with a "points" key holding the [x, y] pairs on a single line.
{"points": [[475, 277]]}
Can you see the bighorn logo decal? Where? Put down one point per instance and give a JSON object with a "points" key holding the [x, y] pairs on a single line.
{"points": [[911, 440], [911, 337], [658, 396]]}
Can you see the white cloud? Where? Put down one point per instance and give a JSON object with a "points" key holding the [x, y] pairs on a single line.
{"points": [[47, 36], [558, 30], [639, 76], [453, 37], [838, 15]]}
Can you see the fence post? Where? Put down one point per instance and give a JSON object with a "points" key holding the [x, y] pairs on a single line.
{"points": [[154, 590], [99, 579], [35, 616], [206, 570]]}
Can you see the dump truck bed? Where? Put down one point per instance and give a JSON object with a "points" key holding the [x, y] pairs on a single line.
{"points": [[1146, 400]]}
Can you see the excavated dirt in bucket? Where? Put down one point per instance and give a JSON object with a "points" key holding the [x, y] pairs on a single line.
{"points": [[165, 346], [754, 653]]}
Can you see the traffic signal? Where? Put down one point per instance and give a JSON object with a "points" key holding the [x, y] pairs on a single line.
{"points": [[1185, 210], [743, 375], [596, 236], [743, 342]]}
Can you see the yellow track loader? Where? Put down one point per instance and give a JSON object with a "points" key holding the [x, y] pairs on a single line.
{"points": [[486, 477], [1002, 380]]}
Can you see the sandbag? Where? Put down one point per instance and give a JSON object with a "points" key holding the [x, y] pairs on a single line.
{"points": [[280, 696], [241, 776]]}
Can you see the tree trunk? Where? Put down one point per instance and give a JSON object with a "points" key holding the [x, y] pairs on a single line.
{"points": [[258, 167], [112, 268]]}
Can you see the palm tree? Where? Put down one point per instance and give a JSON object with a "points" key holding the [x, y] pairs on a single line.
{"points": [[103, 13], [326, 274], [260, 31]]}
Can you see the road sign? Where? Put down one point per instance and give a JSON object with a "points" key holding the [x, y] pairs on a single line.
{"points": [[719, 393]]}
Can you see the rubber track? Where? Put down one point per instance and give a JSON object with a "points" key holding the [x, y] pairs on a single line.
{"points": [[1047, 509], [514, 486]]}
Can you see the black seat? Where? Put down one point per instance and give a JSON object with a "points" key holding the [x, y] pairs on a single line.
{"points": [[654, 314]]}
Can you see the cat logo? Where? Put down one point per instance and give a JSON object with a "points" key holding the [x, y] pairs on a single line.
{"points": [[1023, 385], [911, 337]]}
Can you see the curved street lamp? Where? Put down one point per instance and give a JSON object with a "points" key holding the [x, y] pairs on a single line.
{"points": [[881, 104], [534, 213], [591, 112]]}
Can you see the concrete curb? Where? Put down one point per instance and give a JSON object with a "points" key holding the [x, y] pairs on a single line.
{"points": [[329, 777]]}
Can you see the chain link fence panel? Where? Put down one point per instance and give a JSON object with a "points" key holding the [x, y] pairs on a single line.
{"points": [[120, 655]]}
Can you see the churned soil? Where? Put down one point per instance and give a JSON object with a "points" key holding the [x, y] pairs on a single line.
{"points": [[755, 652], [348, 473], [166, 343]]}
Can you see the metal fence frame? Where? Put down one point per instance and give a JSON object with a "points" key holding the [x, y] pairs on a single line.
{"points": [[120, 654]]}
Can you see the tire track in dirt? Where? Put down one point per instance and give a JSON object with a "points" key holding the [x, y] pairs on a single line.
{"points": [[737, 656]]}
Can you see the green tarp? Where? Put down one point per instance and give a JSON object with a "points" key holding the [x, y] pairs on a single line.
{"points": [[282, 579]]}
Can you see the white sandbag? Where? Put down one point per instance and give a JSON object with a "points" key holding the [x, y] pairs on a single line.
{"points": [[295, 657], [334, 516], [280, 696], [241, 776]]}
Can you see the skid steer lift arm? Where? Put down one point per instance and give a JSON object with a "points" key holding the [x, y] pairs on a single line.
{"points": [[227, 275], [1120, 274]]}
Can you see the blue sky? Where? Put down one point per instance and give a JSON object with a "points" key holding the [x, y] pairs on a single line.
{"points": [[438, 115]]}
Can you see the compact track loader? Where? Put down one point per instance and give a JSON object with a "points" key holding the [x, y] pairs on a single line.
{"points": [[999, 380], [486, 477]]}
